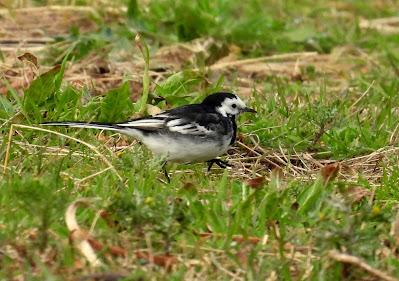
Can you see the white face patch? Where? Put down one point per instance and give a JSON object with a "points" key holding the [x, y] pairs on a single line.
{"points": [[231, 106]]}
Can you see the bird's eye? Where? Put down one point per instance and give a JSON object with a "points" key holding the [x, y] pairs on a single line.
{"points": [[233, 105]]}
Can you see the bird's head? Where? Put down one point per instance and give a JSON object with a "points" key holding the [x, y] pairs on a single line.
{"points": [[227, 104]]}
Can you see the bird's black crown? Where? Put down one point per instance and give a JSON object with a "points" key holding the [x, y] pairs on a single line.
{"points": [[216, 99]]}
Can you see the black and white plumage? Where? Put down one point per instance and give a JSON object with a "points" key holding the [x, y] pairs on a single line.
{"points": [[186, 134]]}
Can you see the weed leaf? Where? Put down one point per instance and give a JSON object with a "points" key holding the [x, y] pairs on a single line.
{"points": [[116, 105]]}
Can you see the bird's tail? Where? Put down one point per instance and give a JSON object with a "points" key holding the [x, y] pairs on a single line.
{"points": [[100, 126]]}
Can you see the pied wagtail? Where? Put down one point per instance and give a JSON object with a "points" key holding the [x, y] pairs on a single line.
{"points": [[187, 134]]}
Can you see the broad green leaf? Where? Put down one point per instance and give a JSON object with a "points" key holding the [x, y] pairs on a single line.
{"points": [[310, 199], [42, 90], [116, 105], [6, 108], [178, 86]]}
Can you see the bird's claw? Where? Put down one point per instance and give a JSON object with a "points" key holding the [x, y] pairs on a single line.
{"points": [[222, 164]]}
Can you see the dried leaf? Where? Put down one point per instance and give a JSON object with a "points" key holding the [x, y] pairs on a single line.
{"points": [[23, 253], [106, 216], [113, 250], [243, 254], [205, 234], [153, 110], [166, 261], [32, 234], [250, 239], [255, 182], [357, 193], [329, 172], [29, 58], [95, 244], [78, 265], [117, 251], [103, 277], [189, 185]]}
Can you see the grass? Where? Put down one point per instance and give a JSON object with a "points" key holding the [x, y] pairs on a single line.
{"points": [[277, 214]]}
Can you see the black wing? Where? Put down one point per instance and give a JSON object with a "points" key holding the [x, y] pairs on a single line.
{"points": [[187, 120]]}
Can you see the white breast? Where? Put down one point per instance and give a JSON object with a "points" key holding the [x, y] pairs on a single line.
{"points": [[186, 150]]}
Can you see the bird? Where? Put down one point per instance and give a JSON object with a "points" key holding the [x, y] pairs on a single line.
{"points": [[187, 134]]}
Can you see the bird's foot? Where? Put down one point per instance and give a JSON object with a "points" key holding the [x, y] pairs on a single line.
{"points": [[222, 164]]}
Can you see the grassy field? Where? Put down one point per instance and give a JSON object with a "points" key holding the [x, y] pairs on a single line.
{"points": [[314, 189]]}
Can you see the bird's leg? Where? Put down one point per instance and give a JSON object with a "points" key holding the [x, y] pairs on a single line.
{"points": [[222, 164], [165, 171], [210, 163]]}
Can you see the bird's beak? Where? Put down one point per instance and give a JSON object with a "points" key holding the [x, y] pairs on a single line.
{"points": [[247, 109]]}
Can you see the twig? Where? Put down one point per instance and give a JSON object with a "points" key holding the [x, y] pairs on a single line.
{"points": [[96, 218], [31, 49], [93, 175], [393, 135], [383, 150], [384, 25], [248, 148], [72, 8], [362, 96], [319, 134], [7, 157], [345, 258], [11, 41], [221, 268]]}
